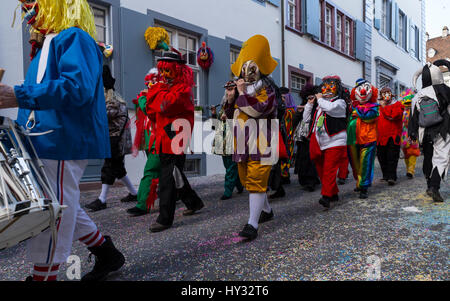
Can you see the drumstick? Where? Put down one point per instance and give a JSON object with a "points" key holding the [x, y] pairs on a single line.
{"points": [[2, 71]]}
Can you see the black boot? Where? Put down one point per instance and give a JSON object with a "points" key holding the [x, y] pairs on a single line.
{"points": [[325, 201], [436, 195], [278, 194], [107, 259], [135, 211], [265, 217], [363, 194], [335, 198], [129, 198], [249, 232], [96, 205]]}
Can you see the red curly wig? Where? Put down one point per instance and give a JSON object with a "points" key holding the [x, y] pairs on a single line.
{"points": [[182, 73]]}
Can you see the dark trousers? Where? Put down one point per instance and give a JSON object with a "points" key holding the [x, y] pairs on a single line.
{"points": [[304, 167], [231, 176], [113, 168], [169, 194], [388, 156], [275, 182], [432, 176]]}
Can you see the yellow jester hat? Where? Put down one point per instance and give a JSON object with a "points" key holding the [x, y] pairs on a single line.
{"points": [[256, 49]]}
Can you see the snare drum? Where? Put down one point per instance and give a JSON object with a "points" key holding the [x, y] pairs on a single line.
{"points": [[28, 204]]}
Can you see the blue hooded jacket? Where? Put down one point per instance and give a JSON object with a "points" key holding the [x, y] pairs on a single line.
{"points": [[69, 100]]}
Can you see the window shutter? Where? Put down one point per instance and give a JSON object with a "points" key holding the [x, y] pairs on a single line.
{"points": [[396, 19], [392, 20], [360, 43], [274, 2], [378, 13], [407, 34], [313, 18]]}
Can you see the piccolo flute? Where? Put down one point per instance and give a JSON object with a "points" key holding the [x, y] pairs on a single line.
{"points": [[2, 72], [233, 84]]}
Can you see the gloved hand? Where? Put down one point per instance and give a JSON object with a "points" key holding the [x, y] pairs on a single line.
{"points": [[7, 97]]}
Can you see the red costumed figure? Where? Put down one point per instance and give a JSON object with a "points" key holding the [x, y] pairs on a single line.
{"points": [[389, 135], [170, 109]]}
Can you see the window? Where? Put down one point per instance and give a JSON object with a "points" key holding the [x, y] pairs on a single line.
{"points": [[297, 82], [234, 53], [348, 31], [401, 30], [187, 45], [101, 23], [339, 31], [292, 12], [385, 81], [328, 26], [336, 29], [192, 167], [384, 17]]}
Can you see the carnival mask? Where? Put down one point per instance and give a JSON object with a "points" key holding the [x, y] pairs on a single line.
{"points": [[250, 72], [386, 96], [167, 73], [364, 92], [329, 89], [30, 8]]}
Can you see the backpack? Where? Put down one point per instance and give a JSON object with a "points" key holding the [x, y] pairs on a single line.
{"points": [[429, 114]]}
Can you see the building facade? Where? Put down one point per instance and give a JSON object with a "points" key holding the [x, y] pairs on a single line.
{"points": [[380, 40], [439, 49]]}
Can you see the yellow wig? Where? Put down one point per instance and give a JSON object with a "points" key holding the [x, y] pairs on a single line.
{"points": [[156, 35], [58, 15]]}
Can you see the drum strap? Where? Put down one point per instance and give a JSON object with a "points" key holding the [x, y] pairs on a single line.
{"points": [[43, 60]]}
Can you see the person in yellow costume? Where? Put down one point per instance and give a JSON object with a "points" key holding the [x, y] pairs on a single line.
{"points": [[256, 105]]}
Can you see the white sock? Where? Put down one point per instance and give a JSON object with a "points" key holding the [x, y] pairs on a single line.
{"points": [[266, 208], [129, 185], [104, 194], [256, 201]]}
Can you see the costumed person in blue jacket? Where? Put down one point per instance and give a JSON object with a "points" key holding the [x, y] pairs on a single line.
{"points": [[63, 92]]}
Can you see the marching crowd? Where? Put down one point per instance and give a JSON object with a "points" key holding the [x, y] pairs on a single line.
{"points": [[68, 91]]}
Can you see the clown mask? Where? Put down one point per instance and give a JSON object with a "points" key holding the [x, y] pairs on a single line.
{"points": [[364, 92], [250, 72], [329, 89]]}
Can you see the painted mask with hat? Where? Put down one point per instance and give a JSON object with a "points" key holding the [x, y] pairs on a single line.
{"points": [[254, 60]]}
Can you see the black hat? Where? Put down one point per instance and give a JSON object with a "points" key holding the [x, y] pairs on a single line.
{"points": [[172, 56], [284, 90]]}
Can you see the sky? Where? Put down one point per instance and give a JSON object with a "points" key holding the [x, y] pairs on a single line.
{"points": [[437, 16]]}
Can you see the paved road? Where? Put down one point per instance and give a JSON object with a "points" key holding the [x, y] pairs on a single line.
{"points": [[303, 242]]}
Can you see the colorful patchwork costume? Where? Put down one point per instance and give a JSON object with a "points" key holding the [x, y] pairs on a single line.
{"points": [[363, 134], [255, 105], [409, 147]]}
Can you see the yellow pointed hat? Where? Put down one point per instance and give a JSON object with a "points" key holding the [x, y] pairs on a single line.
{"points": [[256, 49]]}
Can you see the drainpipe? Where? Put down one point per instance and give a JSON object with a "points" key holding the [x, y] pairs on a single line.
{"points": [[283, 49]]}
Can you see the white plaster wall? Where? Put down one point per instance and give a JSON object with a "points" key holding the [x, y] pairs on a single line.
{"points": [[238, 19], [11, 57], [322, 61], [388, 50]]}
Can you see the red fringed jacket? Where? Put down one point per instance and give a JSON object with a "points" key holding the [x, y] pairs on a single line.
{"points": [[390, 123], [167, 105]]}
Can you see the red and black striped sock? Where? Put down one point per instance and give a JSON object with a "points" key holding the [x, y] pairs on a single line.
{"points": [[93, 239], [40, 271]]}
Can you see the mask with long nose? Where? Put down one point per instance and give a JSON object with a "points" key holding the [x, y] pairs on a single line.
{"points": [[250, 72]]}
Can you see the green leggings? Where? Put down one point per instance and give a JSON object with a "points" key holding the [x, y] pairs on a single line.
{"points": [[151, 171]]}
